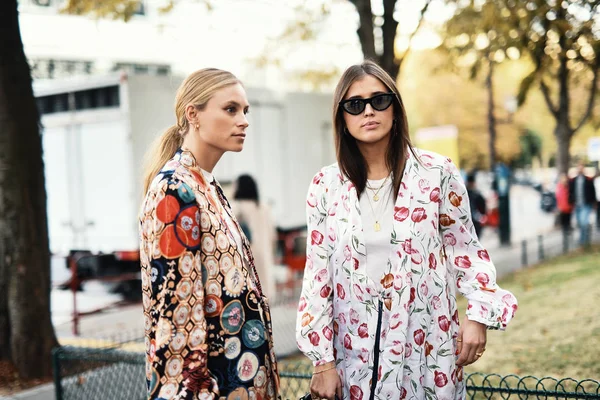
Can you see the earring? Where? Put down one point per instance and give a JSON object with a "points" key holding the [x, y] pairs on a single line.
{"points": [[197, 126]]}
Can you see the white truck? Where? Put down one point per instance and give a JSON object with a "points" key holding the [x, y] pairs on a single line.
{"points": [[96, 131]]}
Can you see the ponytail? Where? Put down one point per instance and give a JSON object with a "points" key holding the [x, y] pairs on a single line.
{"points": [[162, 150]]}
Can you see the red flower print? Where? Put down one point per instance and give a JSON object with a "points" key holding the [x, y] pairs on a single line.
{"points": [[317, 178], [322, 275], [364, 355], [455, 317], [440, 379], [348, 342], [455, 199], [314, 338], [333, 209], [444, 323], [413, 294], [325, 291], [432, 261], [354, 317], [462, 262], [340, 291], [407, 246], [356, 263], [358, 292], [419, 214], [415, 256], [482, 278], [332, 235], [400, 213], [327, 333], [435, 195], [356, 393], [419, 336], [483, 254], [445, 220], [403, 393], [436, 303], [363, 330], [336, 327], [312, 200], [316, 238], [407, 350], [347, 253], [428, 348]]}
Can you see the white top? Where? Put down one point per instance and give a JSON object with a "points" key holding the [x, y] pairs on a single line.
{"points": [[597, 187], [377, 243], [231, 226]]}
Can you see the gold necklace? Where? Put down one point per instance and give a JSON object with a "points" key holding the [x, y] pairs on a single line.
{"points": [[377, 225], [376, 192]]}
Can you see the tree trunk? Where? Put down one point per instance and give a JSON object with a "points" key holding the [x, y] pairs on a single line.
{"points": [[26, 331], [563, 134], [489, 84]]}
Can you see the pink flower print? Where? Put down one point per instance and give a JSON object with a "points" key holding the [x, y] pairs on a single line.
{"points": [[424, 185], [432, 261], [333, 209], [348, 342], [325, 291], [462, 262], [314, 338], [312, 200], [395, 321], [363, 330], [364, 355], [419, 337], [327, 333], [347, 253], [419, 214], [234, 317], [406, 246], [398, 282], [415, 256], [483, 279], [358, 292], [397, 348], [341, 293], [434, 196], [408, 350], [483, 254], [322, 275], [424, 289], [444, 323], [332, 235], [342, 318], [356, 263], [316, 238], [440, 379], [436, 303], [354, 317], [302, 304], [449, 239], [400, 213]]}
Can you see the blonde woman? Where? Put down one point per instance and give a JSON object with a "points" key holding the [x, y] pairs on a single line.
{"points": [[391, 241], [208, 328]]}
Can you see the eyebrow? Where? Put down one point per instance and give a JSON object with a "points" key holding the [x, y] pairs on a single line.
{"points": [[235, 104], [372, 94]]}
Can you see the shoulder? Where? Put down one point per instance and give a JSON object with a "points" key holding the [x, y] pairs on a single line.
{"points": [[432, 159], [327, 176]]}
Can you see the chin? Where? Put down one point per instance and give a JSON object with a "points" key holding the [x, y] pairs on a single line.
{"points": [[371, 137]]}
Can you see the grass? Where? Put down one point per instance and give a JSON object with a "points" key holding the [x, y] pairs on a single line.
{"points": [[556, 331]]}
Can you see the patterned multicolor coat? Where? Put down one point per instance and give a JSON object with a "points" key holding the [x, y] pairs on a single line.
{"points": [[433, 252], [208, 329]]}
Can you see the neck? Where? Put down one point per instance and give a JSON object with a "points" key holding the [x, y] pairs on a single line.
{"points": [[375, 155], [206, 155]]}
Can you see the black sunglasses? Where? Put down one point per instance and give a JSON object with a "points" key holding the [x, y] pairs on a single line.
{"points": [[379, 102]]}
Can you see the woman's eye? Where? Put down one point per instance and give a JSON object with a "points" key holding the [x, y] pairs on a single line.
{"points": [[230, 110]]}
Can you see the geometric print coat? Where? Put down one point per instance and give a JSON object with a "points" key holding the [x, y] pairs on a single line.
{"points": [[207, 326]]}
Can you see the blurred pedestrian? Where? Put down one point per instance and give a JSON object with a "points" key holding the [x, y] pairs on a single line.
{"points": [[565, 208], [257, 223], [390, 242], [207, 323], [476, 203], [582, 196]]}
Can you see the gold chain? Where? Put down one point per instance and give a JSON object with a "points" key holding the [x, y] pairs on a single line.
{"points": [[376, 192]]}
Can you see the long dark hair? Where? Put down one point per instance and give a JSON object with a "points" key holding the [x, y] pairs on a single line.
{"points": [[350, 159], [246, 189]]}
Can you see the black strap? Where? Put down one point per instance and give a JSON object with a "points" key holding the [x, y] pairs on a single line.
{"points": [[375, 376]]}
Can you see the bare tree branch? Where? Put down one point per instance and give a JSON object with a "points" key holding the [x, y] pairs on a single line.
{"points": [[591, 101], [546, 92]]}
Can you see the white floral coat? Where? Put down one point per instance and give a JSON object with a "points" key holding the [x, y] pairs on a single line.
{"points": [[434, 251]]}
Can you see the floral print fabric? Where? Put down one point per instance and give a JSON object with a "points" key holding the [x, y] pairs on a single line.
{"points": [[433, 251], [208, 328]]}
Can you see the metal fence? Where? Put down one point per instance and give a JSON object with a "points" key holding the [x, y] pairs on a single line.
{"points": [[99, 374]]}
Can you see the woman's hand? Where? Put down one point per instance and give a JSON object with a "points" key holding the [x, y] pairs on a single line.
{"points": [[471, 340], [326, 383]]}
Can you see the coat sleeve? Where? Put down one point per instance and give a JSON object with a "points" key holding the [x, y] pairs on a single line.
{"points": [[466, 259], [173, 296], [314, 333]]}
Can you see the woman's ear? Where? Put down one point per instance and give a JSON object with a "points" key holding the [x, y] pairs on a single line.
{"points": [[191, 114]]}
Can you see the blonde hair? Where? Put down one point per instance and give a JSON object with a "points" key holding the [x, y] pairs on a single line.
{"points": [[197, 89]]}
